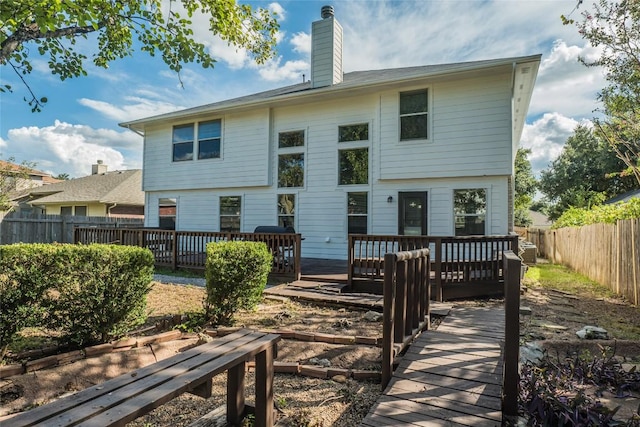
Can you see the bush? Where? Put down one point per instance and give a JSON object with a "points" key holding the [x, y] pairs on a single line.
{"points": [[91, 293], [103, 294], [236, 274], [24, 278], [608, 214]]}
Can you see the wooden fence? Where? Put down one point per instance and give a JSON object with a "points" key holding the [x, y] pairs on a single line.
{"points": [[187, 249], [406, 304], [19, 227], [606, 253], [461, 266]]}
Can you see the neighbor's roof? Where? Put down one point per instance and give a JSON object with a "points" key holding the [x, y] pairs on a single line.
{"points": [[123, 187], [625, 197], [351, 81], [8, 166]]}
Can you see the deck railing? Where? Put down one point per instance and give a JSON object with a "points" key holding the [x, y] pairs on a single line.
{"points": [[187, 249], [406, 303], [464, 260], [512, 267]]}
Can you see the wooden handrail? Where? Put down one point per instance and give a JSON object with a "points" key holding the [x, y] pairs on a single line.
{"points": [[406, 303]]}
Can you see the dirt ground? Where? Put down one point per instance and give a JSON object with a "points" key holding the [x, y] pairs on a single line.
{"points": [[303, 401]]}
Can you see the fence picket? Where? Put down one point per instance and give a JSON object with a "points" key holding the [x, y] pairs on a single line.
{"points": [[606, 253]]}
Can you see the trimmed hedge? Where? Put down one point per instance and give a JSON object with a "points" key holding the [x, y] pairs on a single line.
{"points": [[236, 274], [91, 293]]}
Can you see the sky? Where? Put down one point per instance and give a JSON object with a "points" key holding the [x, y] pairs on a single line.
{"points": [[79, 123]]}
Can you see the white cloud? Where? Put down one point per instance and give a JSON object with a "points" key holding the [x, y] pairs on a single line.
{"points": [[301, 43], [546, 137], [290, 70], [566, 85], [72, 149], [133, 108], [278, 10]]}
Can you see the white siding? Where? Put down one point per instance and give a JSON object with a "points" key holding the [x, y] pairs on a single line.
{"points": [[243, 162], [470, 131], [470, 147]]}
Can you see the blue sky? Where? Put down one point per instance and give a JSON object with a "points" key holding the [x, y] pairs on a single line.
{"points": [[79, 124]]}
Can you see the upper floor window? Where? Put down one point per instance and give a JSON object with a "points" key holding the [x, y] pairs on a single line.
{"points": [[230, 210], [359, 132], [209, 136], [291, 159], [291, 139], [414, 110], [353, 166], [183, 142], [470, 211]]}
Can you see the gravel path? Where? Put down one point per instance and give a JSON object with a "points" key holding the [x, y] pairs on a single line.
{"points": [[195, 281]]}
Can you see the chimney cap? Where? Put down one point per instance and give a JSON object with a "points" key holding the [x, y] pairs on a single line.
{"points": [[326, 12]]}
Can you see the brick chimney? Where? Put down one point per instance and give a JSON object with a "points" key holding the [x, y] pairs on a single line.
{"points": [[99, 168], [326, 50]]}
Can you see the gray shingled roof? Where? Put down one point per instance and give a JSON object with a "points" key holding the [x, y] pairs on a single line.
{"points": [[353, 80], [122, 187]]}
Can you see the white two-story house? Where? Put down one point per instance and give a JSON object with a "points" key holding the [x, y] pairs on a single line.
{"points": [[426, 150]]}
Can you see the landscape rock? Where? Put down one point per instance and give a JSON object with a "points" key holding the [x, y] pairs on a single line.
{"points": [[325, 363], [531, 352], [373, 316], [593, 333]]}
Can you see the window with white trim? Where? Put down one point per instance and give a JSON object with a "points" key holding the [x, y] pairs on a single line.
{"points": [[230, 211], [182, 139], [167, 209], [353, 155], [205, 138], [414, 115], [286, 210], [357, 212], [470, 211], [291, 159], [209, 137]]}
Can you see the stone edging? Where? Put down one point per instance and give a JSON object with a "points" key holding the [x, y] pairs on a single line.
{"points": [[280, 367]]}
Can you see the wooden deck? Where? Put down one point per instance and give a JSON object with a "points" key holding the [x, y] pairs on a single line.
{"points": [[450, 376]]}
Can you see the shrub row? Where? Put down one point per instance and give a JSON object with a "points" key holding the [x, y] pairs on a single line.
{"points": [[608, 214], [90, 294]]}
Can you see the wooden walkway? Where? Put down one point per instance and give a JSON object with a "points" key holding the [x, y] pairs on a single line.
{"points": [[451, 376]]}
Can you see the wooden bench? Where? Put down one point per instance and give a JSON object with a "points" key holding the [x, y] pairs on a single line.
{"points": [[129, 396]]}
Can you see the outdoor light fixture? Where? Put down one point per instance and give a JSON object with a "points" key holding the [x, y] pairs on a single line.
{"points": [[389, 199]]}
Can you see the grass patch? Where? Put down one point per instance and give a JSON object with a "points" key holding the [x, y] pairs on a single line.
{"points": [[559, 277]]}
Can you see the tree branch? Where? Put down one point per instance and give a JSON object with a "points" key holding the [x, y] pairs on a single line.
{"points": [[32, 32]]}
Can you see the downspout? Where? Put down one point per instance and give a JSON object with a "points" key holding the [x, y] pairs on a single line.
{"points": [[109, 209]]}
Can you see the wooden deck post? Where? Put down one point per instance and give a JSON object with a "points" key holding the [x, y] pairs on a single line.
{"points": [[388, 309], [511, 268]]}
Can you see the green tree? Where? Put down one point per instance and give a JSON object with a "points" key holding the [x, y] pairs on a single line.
{"points": [[581, 175], [614, 26], [525, 188], [52, 29]]}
